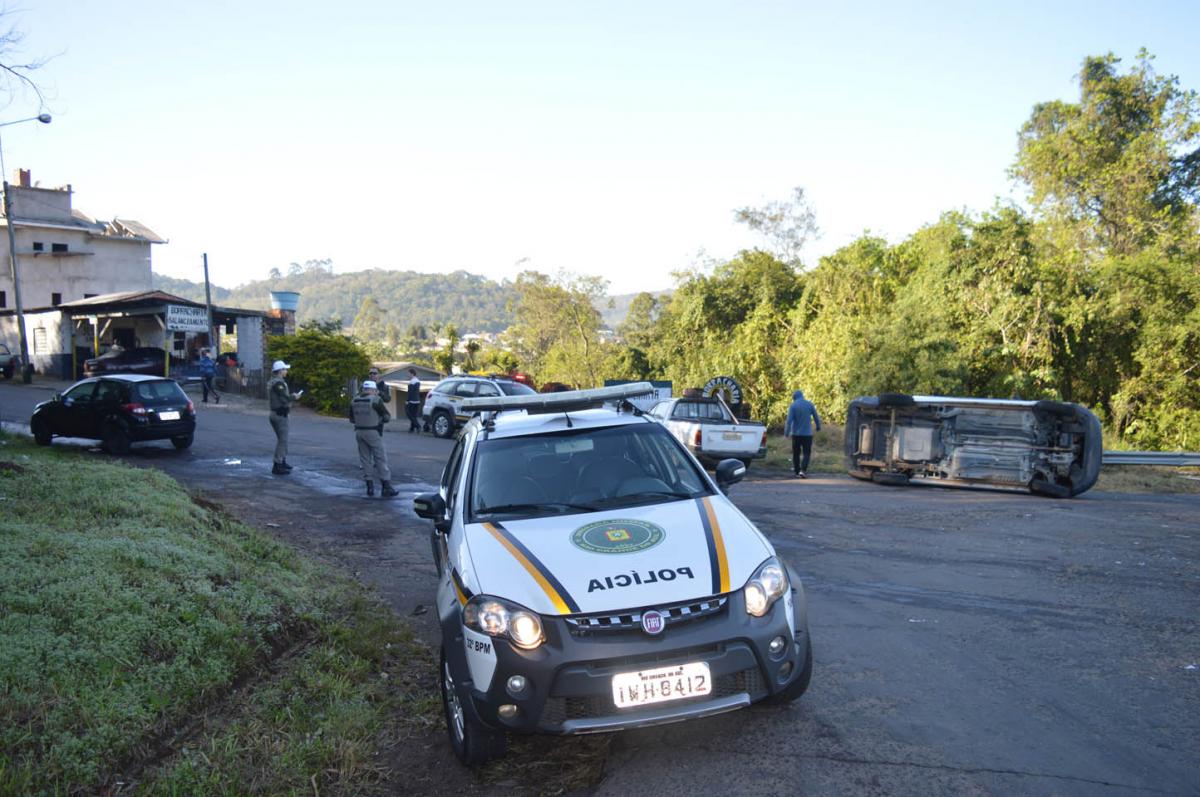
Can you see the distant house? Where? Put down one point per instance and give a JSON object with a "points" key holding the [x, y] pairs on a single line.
{"points": [[398, 372], [395, 376]]}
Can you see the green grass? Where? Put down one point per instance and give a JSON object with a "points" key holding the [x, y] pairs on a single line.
{"points": [[147, 638], [827, 454]]}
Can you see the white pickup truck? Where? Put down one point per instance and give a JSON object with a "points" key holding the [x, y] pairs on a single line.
{"points": [[709, 430]]}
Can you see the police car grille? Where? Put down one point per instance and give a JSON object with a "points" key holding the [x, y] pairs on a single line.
{"points": [[560, 709], [676, 614]]}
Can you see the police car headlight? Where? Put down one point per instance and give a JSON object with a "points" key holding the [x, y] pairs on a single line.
{"points": [[768, 585], [498, 618], [525, 630]]}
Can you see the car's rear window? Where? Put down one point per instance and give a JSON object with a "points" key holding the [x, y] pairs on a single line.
{"points": [[159, 392], [516, 389], [703, 411]]}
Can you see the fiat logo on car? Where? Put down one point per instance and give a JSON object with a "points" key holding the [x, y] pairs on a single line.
{"points": [[653, 622]]}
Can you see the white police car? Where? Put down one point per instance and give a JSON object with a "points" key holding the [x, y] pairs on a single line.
{"points": [[592, 577]]}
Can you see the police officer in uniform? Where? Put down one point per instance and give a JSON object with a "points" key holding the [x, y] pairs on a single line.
{"points": [[368, 414], [281, 399], [385, 392]]}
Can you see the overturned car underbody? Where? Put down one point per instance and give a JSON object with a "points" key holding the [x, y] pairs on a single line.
{"points": [[1047, 447]]}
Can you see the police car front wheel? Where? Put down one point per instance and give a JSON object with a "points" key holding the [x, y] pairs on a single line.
{"points": [[472, 742]]}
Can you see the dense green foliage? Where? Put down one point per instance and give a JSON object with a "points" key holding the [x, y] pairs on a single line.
{"points": [[127, 610], [322, 365], [1093, 297], [404, 298]]}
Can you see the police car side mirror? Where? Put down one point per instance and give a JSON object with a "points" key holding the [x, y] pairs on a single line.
{"points": [[729, 473], [431, 506]]}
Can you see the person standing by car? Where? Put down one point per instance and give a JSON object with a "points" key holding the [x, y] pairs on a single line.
{"points": [[368, 414], [208, 372], [281, 399], [412, 405], [801, 417]]}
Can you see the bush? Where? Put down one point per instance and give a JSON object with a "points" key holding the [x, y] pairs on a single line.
{"points": [[322, 365]]}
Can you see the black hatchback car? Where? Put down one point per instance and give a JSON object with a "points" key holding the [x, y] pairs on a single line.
{"points": [[118, 410]]}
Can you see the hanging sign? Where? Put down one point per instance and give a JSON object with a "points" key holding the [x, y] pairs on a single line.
{"points": [[181, 318], [724, 387]]}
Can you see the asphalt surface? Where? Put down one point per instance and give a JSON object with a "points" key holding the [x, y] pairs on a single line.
{"points": [[967, 642]]}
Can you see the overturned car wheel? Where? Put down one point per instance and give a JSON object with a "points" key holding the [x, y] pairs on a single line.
{"points": [[896, 400]]}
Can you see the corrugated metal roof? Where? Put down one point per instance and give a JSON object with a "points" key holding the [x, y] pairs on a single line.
{"points": [[130, 298], [130, 228]]}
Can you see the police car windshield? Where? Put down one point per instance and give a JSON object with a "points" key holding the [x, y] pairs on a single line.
{"points": [[581, 470]]}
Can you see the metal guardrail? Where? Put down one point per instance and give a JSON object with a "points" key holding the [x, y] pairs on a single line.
{"points": [[1166, 458]]}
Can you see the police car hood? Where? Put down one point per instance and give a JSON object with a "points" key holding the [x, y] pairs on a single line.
{"points": [[621, 559]]}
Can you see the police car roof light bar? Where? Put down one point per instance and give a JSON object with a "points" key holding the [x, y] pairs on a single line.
{"points": [[569, 401]]}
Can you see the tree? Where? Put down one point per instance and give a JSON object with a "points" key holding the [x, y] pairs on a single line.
{"points": [[1120, 169], [787, 225], [15, 76], [274, 274], [444, 359], [637, 330], [322, 365], [329, 326], [370, 323], [556, 333], [472, 348]]}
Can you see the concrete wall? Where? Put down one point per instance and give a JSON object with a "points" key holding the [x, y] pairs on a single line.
{"points": [[43, 204], [92, 265], [251, 346], [48, 335]]}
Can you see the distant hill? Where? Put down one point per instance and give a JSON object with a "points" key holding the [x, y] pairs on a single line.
{"points": [[471, 302], [188, 289]]}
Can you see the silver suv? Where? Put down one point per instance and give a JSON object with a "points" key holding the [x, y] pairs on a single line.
{"points": [[443, 406]]}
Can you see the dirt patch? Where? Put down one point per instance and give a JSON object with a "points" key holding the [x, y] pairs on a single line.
{"points": [[11, 468]]}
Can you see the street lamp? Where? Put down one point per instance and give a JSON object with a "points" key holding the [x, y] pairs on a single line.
{"points": [[10, 223]]}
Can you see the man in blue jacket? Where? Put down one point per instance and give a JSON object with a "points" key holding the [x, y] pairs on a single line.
{"points": [[801, 417], [208, 372]]}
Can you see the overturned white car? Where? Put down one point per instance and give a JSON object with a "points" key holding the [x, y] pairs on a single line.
{"points": [[593, 577], [1047, 447]]}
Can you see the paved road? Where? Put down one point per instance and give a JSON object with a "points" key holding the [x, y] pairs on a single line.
{"points": [[967, 642]]}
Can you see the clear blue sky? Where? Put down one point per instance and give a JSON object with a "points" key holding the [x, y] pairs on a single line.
{"points": [[610, 138]]}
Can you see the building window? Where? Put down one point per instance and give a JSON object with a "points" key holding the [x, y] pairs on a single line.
{"points": [[38, 246], [3, 299], [58, 247], [39, 341], [55, 299]]}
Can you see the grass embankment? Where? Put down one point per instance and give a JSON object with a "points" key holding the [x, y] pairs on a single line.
{"points": [[151, 644], [827, 457]]}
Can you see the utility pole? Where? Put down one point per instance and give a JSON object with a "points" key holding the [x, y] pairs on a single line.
{"points": [[26, 366], [212, 338]]}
